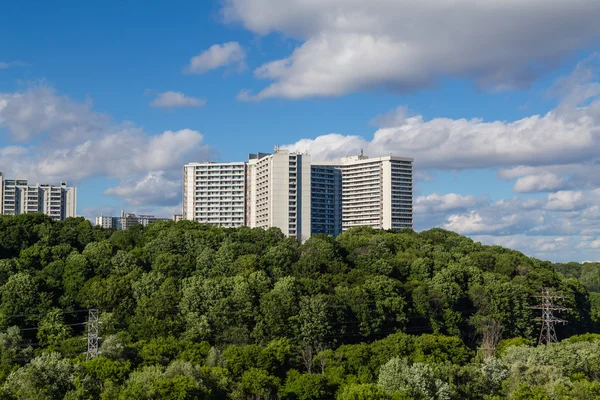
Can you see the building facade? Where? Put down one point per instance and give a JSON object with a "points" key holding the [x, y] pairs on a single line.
{"points": [[19, 197], [362, 191], [377, 192], [214, 193], [279, 192], [326, 199], [288, 191], [127, 220]]}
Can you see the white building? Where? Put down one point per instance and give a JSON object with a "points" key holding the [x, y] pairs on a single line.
{"points": [[375, 192], [214, 193], [279, 193], [125, 221], [288, 191], [18, 197]]}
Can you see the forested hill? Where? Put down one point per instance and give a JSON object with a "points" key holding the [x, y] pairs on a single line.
{"points": [[194, 311]]}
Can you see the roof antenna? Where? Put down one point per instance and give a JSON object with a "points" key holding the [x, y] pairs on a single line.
{"points": [[361, 152]]}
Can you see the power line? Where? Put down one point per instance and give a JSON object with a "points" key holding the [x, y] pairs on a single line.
{"points": [[41, 315], [37, 327]]}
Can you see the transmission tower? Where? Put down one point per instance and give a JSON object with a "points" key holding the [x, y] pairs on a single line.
{"points": [[547, 331], [93, 338]]}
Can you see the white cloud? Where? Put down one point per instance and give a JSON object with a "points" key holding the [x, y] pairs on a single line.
{"points": [[474, 223], [176, 99], [569, 134], [391, 118], [115, 155], [217, 56], [539, 183], [40, 110], [569, 200], [435, 203], [68, 141], [153, 188], [352, 45]]}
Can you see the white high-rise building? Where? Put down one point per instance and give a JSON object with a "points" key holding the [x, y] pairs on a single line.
{"points": [[375, 192], [214, 193], [18, 197], [288, 191], [279, 192]]}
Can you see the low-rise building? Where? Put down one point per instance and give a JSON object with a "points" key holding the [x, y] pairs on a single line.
{"points": [[126, 220]]}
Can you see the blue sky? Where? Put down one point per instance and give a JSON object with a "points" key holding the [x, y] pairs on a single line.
{"points": [[497, 103]]}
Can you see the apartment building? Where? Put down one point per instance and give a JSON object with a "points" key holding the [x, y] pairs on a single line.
{"points": [[375, 192], [19, 197], [126, 220], [214, 193], [279, 192], [288, 191], [326, 198]]}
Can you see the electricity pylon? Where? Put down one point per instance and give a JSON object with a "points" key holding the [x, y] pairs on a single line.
{"points": [[547, 331], [93, 329]]}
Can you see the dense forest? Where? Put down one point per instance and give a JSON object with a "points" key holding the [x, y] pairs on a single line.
{"points": [[190, 311]]}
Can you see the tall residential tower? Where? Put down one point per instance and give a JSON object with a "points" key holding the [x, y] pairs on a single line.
{"points": [[19, 197], [279, 192], [362, 191], [214, 193]]}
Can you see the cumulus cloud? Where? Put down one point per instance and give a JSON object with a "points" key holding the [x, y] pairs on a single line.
{"points": [[63, 140], [547, 228], [569, 134], [435, 203], [567, 200], [352, 45], [217, 56], [545, 182], [176, 99], [39, 110], [153, 188]]}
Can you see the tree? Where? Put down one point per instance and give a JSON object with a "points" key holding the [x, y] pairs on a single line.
{"points": [[52, 329], [417, 380], [48, 376], [276, 309], [306, 387], [21, 295], [364, 391], [312, 328], [257, 384]]}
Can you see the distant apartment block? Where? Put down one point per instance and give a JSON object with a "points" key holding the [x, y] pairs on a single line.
{"points": [[288, 191], [377, 192], [278, 193], [17, 196], [214, 193], [362, 191], [126, 220]]}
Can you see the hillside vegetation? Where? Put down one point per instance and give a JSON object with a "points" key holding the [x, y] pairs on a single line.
{"points": [[190, 311]]}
